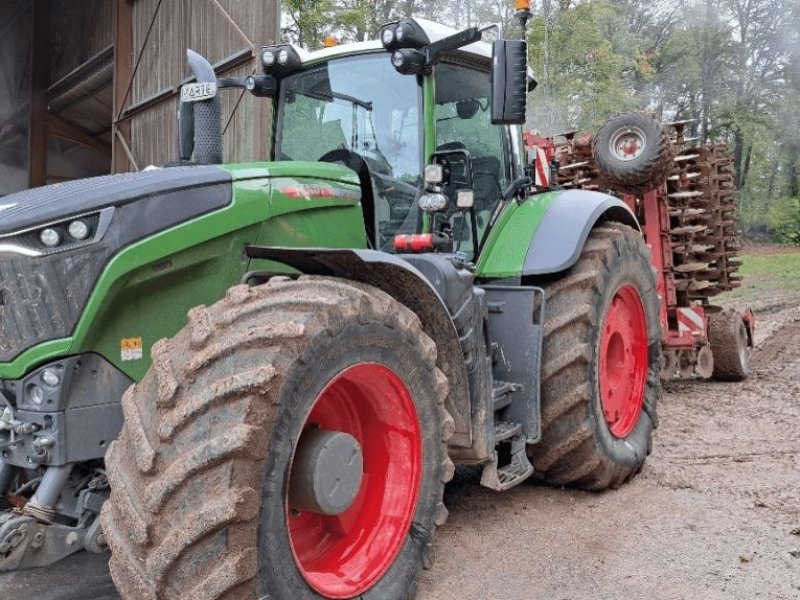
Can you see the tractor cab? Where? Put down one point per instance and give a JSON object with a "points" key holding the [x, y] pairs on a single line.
{"points": [[431, 130]]}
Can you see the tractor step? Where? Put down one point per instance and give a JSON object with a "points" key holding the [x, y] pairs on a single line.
{"points": [[518, 468], [501, 393], [513, 474], [504, 430]]}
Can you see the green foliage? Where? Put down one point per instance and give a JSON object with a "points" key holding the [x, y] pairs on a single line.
{"points": [[783, 219]]}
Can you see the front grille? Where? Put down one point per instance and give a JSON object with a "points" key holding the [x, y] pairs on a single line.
{"points": [[42, 298]]}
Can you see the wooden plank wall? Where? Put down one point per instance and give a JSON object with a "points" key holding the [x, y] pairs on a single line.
{"points": [[78, 31], [201, 26]]}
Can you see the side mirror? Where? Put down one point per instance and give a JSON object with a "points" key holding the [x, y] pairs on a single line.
{"points": [[509, 82]]}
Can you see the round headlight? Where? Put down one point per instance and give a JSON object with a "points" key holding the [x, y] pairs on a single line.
{"points": [[50, 237], [432, 202], [400, 33], [51, 377], [397, 59], [283, 57], [250, 83], [268, 58], [387, 37], [35, 394], [79, 230]]}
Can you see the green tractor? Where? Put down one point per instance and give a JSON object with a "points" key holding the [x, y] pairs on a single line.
{"points": [[254, 380]]}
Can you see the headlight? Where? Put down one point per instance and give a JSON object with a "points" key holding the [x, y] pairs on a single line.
{"points": [[279, 61], [35, 394], [50, 237], [79, 230], [432, 202], [406, 33], [51, 377], [408, 61]]}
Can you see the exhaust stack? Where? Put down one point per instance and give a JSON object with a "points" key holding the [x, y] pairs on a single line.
{"points": [[200, 122]]}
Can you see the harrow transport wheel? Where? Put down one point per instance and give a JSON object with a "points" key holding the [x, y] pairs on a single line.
{"points": [[601, 364], [290, 442], [727, 334], [633, 153]]}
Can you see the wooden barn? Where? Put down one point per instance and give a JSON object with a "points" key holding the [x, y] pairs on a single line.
{"points": [[90, 87]]}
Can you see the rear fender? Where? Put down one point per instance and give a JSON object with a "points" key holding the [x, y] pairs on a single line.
{"points": [[546, 233], [407, 285]]}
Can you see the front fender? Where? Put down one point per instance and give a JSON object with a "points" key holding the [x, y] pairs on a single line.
{"points": [[546, 233], [406, 284]]}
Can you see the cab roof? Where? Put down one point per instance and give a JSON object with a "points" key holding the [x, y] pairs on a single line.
{"points": [[435, 32]]}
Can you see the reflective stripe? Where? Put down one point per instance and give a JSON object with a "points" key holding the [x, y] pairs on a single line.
{"points": [[690, 319]]}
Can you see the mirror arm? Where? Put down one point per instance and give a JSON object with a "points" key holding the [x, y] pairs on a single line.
{"points": [[453, 42], [231, 82], [516, 186]]}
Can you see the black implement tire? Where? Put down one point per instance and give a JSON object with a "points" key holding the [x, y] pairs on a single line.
{"points": [[577, 446], [730, 346], [199, 506], [636, 173]]}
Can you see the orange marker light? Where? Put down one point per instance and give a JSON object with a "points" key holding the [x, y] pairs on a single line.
{"points": [[522, 4], [330, 42]]}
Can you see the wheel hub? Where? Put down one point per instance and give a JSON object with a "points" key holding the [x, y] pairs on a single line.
{"points": [[623, 361], [355, 481], [705, 362], [627, 143], [327, 472]]}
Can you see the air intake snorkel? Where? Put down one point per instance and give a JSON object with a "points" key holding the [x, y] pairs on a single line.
{"points": [[200, 115], [200, 112]]}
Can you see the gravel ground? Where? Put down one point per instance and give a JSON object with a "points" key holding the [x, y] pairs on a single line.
{"points": [[714, 515]]}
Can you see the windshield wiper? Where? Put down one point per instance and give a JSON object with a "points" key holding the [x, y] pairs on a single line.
{"points": [[337, 96]]}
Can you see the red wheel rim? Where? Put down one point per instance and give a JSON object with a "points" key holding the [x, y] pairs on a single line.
{"points": [[342, 556], [628, 143], [623, 361]]}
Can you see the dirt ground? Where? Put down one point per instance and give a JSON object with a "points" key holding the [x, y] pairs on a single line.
{"points": [[714, 515]]}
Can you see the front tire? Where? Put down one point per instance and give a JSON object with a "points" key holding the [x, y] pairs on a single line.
{"points": [[601, 364], [203, 503]]}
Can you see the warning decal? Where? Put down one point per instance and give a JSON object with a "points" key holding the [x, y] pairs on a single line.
{"points": [[131, 349]]}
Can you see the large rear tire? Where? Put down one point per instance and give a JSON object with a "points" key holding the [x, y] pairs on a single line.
{"points": [[633, 153], [730, 345], [212, 476], [601, 364]]}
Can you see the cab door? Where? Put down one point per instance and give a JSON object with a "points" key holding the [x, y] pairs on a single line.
{"points": [[463, 128]]}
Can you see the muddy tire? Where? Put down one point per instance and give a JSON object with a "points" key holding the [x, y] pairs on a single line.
{"points": [[600, 365], [727, 334], [204, 472], [633, 153]]}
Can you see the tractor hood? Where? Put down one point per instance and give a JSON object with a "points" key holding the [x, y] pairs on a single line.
{"points": [[45, 205], [56, 242], [48, 268]]}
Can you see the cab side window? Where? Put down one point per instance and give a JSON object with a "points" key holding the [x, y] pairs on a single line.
{"points": [[463, 122]]}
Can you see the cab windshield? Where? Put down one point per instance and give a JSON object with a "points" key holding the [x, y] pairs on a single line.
{"points": [[359, 106]]}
